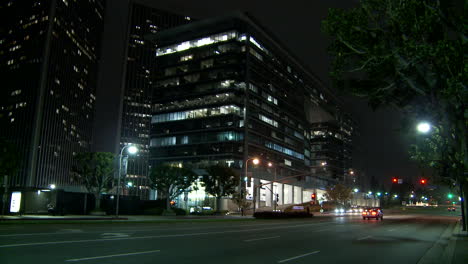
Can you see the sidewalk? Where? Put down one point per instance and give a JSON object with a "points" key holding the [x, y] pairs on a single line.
{"points": [[121, 218], [460, 253]]}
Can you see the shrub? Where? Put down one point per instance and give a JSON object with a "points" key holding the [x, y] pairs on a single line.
{"points": [[279, 215], [154, 211], [179, 211]]}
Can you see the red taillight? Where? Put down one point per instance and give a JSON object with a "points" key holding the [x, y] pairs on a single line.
{"points": [[374, 213]]}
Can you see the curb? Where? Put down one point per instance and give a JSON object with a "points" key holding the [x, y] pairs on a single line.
{"points": [[443, 249]]}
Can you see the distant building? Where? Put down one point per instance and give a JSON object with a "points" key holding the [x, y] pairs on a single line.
{"points": [[140, 65], [227, 91], [48, 65]]}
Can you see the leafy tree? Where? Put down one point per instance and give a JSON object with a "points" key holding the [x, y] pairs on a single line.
{"points": [[94, 170], [339, 193], [9, 159], [241, 201], [412, 55], [220, 181], [9, 165], [171, 181]]}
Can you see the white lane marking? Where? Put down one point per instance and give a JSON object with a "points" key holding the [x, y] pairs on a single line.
{"points": [[114, 235], [300, 256], [324, 229], [390, 230], [255, 239], [148, 237], [366, 237], [60, 232], [113, 256]]}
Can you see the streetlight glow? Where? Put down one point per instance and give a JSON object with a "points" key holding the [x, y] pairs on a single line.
{"points": [[255, 161], [132, 149], [424, 127], [356, 190]]}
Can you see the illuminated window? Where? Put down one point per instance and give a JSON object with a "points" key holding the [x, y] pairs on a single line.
{"points": [[186, 57], [196, 43], [196, 113], [268, 120]]}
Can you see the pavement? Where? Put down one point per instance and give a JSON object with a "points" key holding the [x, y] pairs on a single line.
{"points": [[451, 248]]}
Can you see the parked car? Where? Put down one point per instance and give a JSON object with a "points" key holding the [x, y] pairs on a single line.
{"points": [[372, 213], [451, 209]]}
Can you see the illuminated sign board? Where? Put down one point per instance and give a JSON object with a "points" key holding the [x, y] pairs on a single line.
{"points": [[15, 202]]}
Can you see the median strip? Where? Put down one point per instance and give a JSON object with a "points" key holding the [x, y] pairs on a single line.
{"points": [[300, 256], [113, 256]]}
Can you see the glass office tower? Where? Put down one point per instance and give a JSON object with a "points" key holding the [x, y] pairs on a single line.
{"points": [[226, 91]]}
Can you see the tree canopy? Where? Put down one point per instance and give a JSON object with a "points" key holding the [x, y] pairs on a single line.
{"points": [[171, 181], [94, 170], [220, 181], [412, 55], [9, 159], [339, 193]]}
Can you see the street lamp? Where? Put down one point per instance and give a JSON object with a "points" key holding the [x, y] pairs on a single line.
{"points": [[255, 161], [273, 195], [424, 127], [131, 149]]}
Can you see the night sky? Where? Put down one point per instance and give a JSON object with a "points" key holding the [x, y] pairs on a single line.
{"points": [[381, 150]]}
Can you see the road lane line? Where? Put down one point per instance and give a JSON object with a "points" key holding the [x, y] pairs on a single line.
{"points": [[146, 230], [255, 239], [390, 230], [113, 256], [366, 237], [300, 256], [149, 237]]}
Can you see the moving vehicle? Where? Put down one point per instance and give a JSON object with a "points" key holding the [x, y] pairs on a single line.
{"points": [[451, 209], [372, 213]]}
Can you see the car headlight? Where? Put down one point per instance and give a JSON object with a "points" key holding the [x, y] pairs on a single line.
{"points": [[337, 210], [341, 210]]}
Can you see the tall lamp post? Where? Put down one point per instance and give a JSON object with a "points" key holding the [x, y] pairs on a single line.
{"points": [[131, 149], [272, 187], [246, 163]]}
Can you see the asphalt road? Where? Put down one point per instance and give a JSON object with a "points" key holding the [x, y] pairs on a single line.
{"points": [[343, 239]]}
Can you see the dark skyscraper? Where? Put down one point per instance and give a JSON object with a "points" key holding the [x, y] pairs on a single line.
{"points": [[136, 103], [48, 64]]}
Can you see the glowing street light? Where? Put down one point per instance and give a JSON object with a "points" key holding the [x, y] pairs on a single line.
{"points": [[131, 149], [246, 164], [424, 127], [356, 190]]}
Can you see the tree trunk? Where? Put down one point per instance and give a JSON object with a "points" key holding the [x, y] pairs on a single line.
{"points": [[97, 202], [218, 203], [85, 204], [168, 203]]}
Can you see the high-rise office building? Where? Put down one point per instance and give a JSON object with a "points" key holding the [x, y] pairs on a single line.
{"points": [[48, 64], [227, 91], [136, 105]]}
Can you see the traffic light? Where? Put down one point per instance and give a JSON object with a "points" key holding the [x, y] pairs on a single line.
{"points": [[423, 181], [450, 196], [313, 196], [394, 180]]}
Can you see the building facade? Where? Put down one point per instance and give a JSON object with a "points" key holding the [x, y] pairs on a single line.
{"points": [[48, 66], [136, 104], [226, 91]]}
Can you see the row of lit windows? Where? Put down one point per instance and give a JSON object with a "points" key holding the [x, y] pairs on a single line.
{"points": [[268, 120], [225, 36], [197, 113], [193, 139], [284, 150]]}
